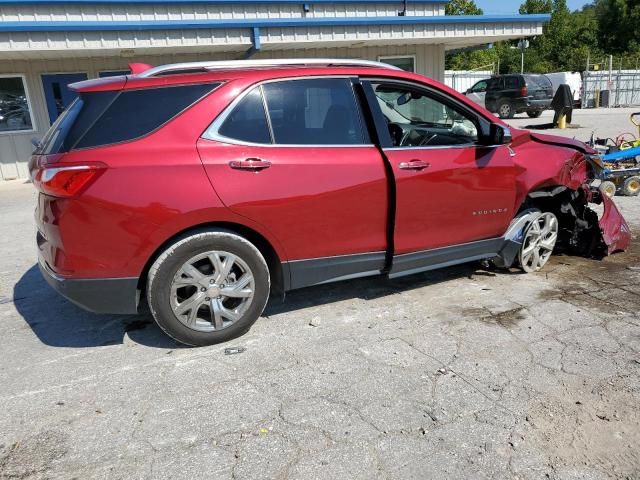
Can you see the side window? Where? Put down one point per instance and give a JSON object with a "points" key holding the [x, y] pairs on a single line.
{"points": [[417, 119], [480, 87], [512, 83], [247, 122], [320, 111]]}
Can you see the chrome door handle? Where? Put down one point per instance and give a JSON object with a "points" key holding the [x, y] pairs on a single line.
{"points": [[414, 165], [251, 164]]}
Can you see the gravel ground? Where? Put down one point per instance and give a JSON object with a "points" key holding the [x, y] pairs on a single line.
{"points": [[461, 373]]}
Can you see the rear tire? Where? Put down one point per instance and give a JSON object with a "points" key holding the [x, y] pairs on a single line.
{"points": [[505, 109], [208, 287], [608, 188], [631, 186], [534, 113]]}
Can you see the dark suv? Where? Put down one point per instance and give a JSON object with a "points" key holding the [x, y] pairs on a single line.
{"points": [[507, 95], [204, 187]]}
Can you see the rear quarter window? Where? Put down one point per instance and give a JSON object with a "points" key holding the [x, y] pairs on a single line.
{"points": [[539, 81], [104, 118]]}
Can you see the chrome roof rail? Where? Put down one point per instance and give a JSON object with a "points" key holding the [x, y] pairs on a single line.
{"points": [[242, 64]]}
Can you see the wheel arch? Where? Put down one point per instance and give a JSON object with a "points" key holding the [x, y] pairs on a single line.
{"points": [[279, 282]]}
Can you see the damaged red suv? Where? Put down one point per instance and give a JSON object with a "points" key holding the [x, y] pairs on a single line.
{"points": [[206, 186]]}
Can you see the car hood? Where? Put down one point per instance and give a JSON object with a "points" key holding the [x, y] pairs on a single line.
{"points": [[554, 140]]}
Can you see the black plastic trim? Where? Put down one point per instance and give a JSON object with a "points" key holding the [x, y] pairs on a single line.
{"points": [[103, 295], [305, 273], [416, 262]]}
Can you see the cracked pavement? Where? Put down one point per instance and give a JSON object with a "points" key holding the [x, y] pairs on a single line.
{"points": [[460, 373]]}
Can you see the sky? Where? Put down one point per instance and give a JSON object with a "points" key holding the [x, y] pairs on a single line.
{"points": [[511, 6]]}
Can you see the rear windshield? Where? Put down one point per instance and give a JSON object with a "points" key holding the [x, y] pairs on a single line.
{"points": [[539, 81], [104, 118]]}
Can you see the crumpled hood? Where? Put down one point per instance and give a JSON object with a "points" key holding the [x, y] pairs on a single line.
{"points": [[561, 142]]}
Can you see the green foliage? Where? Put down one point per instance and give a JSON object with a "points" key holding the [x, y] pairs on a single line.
{"points": [[569, 38], [536, 6], [462, 7]]}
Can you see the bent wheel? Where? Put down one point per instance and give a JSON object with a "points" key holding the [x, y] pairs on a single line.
{"points": [[539, 241], [208, 288]]}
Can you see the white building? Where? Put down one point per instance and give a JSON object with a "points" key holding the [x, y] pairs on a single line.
{"points": [[47, 44]]}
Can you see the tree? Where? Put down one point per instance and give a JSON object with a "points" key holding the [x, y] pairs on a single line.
{"points": [[536, 6], [618, 25], [462, 7]]}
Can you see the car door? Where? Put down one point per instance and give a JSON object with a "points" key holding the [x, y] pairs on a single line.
{"points": [[295, 156], [451, 192], [478, 92]]}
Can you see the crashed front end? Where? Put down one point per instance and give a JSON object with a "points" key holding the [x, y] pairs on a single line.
{"points": [[567, 187]]}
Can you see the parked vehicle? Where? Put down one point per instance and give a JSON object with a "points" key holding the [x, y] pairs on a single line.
{"points": [[573, 79], [508, 95], [205, 187]]}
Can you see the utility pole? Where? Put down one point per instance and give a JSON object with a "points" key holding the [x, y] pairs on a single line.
{"points": [[522, 44]]}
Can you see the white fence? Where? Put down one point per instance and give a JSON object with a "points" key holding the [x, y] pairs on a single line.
{"points": [[624, 87], [461, 80]]}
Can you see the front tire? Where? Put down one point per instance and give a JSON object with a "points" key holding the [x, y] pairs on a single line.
{"points": [[208, 287], [540, 239]]}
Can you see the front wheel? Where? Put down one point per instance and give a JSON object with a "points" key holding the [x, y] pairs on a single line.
{"points": [[540, 239], [208, 287]]}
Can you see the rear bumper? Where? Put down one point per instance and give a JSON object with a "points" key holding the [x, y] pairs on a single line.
{"points": [[538, 104], [101, 295]]}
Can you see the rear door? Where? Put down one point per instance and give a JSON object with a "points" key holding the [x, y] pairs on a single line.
{"points": [[295, 156]]}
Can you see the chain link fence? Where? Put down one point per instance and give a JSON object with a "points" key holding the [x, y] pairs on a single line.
{"points": [[613, 89]]}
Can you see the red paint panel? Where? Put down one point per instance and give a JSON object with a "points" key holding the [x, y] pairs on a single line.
{"points": [[466, 194], [319, 201]]}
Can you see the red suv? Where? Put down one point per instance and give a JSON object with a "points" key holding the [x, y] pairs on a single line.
{"points": [[206, 186]]}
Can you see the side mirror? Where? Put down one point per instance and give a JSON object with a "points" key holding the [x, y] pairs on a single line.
{"points": [[499, 135]]}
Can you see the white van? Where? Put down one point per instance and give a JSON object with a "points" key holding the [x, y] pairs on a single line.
{"points": [[573, 79]]}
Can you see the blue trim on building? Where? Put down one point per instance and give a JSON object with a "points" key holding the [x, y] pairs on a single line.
{"points": [[262, 23], [212, 2]]}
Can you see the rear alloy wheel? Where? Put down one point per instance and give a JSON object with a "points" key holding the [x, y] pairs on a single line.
{"points": [[631, 187], [505, 110], [539, 241], [608, 188], [208, 288]]}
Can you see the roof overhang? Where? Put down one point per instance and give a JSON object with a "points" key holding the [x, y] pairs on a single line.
{"points": [[24, 39]]}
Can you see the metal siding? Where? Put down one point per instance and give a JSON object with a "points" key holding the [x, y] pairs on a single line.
{"points": [[133, 12]]}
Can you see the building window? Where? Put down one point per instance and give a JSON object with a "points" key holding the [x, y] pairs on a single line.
{"points": [[15, 111], [406, 63]]}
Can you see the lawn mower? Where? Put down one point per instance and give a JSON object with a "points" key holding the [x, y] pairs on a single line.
{"points": [[621, 157]]}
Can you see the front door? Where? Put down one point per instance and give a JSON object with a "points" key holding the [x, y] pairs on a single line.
{"points": [[478, 92], [57, 94], [295, 157], [450, 190]]}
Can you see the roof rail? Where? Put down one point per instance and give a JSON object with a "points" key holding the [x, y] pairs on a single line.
{"points": [[239, 64]]}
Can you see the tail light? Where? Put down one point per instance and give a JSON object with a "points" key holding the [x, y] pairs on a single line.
{"points": [[66, 181], [524, 91]]}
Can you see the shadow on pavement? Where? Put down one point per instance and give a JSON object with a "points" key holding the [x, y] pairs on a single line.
{"points": [[59, 323]]}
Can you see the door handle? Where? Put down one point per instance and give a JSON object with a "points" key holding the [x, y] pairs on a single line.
{"points": [[251, 164], [414, 165]]}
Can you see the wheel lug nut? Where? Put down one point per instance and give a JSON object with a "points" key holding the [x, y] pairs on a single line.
{"points": [[212, 282], [203, 289], [207, 299]]}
